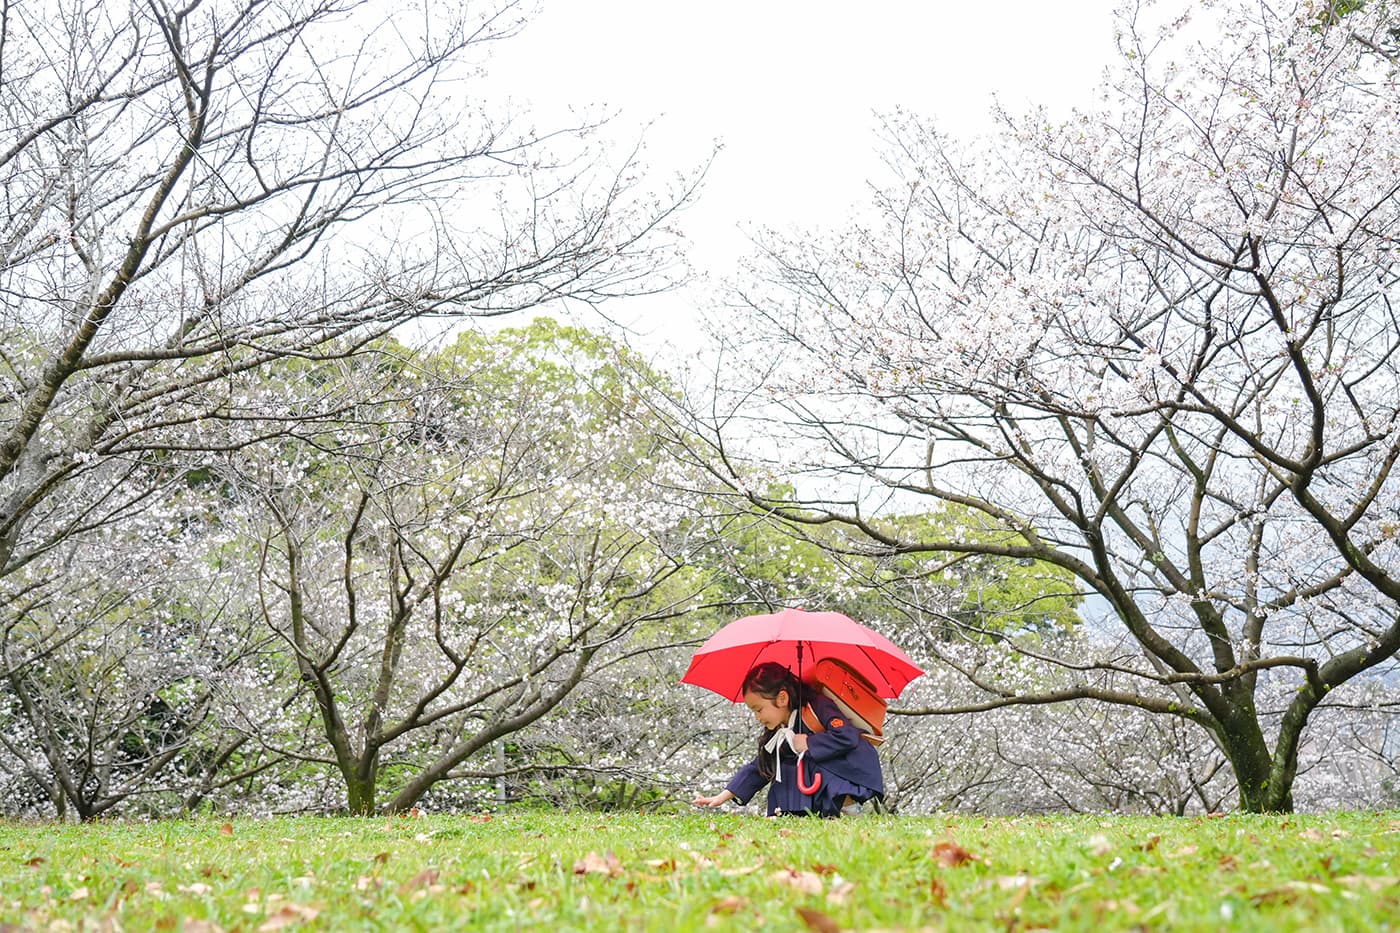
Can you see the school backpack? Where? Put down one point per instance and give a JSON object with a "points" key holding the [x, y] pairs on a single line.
{"points": [[853, 695]]}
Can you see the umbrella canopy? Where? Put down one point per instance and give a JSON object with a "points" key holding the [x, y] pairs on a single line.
{"points": [[726, 657]]}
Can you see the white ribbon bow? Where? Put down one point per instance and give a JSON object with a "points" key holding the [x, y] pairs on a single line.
{"points": [[784, 734]]}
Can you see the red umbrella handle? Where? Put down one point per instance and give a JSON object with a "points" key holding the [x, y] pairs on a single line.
{"points": [[802, 785]]}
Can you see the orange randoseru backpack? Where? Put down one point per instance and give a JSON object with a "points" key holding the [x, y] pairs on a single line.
{"points": [[853, 694]]}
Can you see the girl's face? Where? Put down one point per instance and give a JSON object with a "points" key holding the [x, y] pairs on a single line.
{"points": [[770, 713]]}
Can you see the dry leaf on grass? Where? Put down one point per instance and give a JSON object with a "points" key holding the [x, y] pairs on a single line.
{"points": [[1290, 892], [805, 881], [951, 854], [1012, 882], [595, 864], [1369, 882], [729, 905], [289, 915], [424, 879], [816, 920]]}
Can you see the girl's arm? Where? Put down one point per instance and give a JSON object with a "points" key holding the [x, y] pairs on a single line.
{"points": [[741, 787], [716, 800]]}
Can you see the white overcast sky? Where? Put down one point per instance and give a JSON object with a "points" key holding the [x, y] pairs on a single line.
{"points": [[790, 89]]}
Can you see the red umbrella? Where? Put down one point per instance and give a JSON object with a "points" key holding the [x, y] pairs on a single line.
{"points": [[797, 639]]}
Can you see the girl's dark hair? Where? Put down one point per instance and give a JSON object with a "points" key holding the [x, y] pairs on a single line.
{"points": [[768, 680]]}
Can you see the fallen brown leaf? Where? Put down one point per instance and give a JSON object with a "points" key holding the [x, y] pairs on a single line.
{"points": [[594, 864], [805, 881], [1013, 882], [816, 920], [226, 829], [1290, 892], [700, 860], [729, 905], [1369, 882], [289, 915], [951, 854], [423, 879], [279, 921]]}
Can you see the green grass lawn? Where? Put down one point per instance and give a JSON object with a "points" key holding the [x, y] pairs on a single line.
{"points": [[702, 871]]}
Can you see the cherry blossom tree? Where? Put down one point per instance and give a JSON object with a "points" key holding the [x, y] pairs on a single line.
{"points": [[193, 192], [122, 710], [446, 565], [1152, 344]]}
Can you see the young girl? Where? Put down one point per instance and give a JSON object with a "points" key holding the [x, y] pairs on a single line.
{"points": [[848, 765]]}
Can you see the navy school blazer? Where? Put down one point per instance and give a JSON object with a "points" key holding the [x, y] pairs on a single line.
{"points": [[839, 750]]}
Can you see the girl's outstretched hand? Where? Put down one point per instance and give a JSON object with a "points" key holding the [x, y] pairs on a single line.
{"points": [[714, 801]]}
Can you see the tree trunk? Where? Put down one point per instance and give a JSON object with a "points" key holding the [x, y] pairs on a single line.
{"points": [[1260, 789], [359, 791]]}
